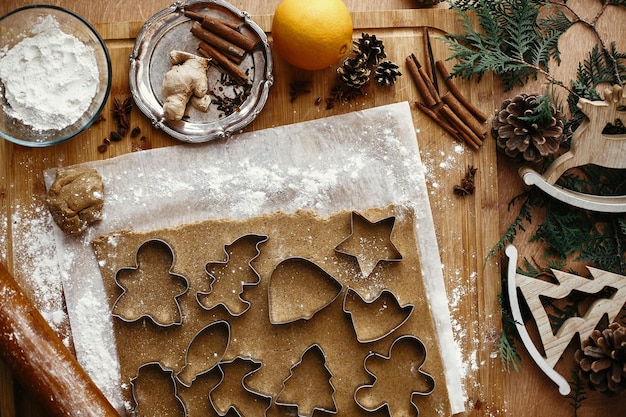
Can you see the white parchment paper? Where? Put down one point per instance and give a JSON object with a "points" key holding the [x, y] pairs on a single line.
{"points": [[363, 159]]}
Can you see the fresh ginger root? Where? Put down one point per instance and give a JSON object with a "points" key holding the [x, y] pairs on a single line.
{"points": [[186, 79]]}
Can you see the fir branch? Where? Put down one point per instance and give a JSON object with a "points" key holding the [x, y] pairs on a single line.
{"points": [[506, 345]]}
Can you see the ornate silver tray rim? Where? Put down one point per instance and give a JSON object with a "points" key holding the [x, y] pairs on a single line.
{"points": [[169, 29]]}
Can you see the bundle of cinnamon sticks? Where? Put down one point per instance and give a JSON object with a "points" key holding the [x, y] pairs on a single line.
{"points": [[222, 41], [452, 111]]}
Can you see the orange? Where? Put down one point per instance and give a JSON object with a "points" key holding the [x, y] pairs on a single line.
{"points": [[312, 34]]}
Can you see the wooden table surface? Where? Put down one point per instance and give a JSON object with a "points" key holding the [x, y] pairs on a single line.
{"points": [[491, 391]]}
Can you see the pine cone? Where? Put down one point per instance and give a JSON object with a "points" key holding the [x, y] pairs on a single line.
{"points": [[354, 72], [427, 3], [602, 359], [371, 48], [386, 73], [521, 138]]}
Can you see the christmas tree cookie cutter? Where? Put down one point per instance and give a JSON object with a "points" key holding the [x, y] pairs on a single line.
{"points": [[154, 260], [589, 146], [309, 385], [407, 355], [555, 344], [226, 282]]}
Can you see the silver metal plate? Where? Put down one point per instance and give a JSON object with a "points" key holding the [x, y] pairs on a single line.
{"points": [[149, 61]]}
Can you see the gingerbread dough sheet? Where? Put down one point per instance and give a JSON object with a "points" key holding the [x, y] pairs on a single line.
{"points": [[276, 285], [353, 162]]}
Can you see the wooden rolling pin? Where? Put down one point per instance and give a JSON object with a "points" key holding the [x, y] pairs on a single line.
{"points": [[41, 362]]}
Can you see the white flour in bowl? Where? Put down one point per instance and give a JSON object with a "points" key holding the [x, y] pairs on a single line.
{"points": [[50, 78]]}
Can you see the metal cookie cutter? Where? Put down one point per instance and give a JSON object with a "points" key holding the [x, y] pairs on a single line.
{"points": [[230, 277], [298, 289], [309, 386], [407, 354], [233, 386], [205, 351], [153, 380], [376, 319], [369, 242], [142, 296]]}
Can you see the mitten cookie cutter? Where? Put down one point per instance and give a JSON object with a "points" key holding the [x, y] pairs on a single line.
{"points": [[232, 299], [128, 305], [382, 248], [218, 402], [397, 406], [299, 274], [375, 319]]}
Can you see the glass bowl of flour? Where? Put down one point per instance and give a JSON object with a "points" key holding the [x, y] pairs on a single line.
{"points": [[55, 75]]}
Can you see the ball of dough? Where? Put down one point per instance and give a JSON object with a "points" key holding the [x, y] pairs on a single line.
{"points": [[76, 198]]}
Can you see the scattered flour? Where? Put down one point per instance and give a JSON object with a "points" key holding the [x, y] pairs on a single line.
{"points": [[49, 78]]}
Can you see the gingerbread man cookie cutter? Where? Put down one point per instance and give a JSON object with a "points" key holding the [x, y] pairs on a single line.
{"points": [[154, 260]]}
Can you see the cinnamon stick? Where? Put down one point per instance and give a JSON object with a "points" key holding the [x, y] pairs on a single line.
{"points": [[420, 83], [468, 135], [429, 83], [216, 41], [208, 51], [230, 34], [461, 111], [199, 17], [441, 122], [482, 117]]}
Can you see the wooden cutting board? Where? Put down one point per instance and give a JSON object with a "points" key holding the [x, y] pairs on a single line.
{"points": [[466, 227]]}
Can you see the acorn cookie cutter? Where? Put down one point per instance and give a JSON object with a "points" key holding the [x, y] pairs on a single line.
{"points": [[131, 305], [369, 249], [386, 370], [213, 338], [301, 397], [315, 290], [229, 293], [375, 319]]}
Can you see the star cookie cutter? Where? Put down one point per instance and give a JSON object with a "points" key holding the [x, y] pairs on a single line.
{"points": [[375, 319], [305, 390], [205, 351], [369, 249], [226, 283], [298, 289], [221, 395], [588, 146], [154, 259], [406, 356]]}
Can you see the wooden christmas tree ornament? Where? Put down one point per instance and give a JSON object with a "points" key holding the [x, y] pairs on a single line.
{"points": [[532, 289], [589, 146]]}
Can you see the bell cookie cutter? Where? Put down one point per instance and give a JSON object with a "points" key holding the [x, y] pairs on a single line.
{"points": [[369, 242], [205, 352], [233, 385], [376, 319], [154, 260], [407, 355], [309, 385], [588, 146], [298, 289], [226, 282]]}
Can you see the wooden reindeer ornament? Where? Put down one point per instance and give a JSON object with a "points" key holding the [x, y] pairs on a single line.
{"points": [[555, 344], [589, 146]]}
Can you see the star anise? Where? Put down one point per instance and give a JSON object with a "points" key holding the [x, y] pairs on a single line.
{"points": [[467, 185], [121, 113]]}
